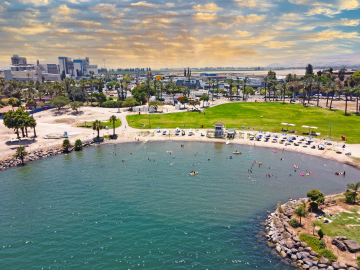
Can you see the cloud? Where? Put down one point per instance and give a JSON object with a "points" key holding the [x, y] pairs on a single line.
{"points": [[243, 33], [2, 9], [36, 2], [279, 44], [84, 38], [104, 8], [325, 11], [143, 4], [349, 4], [64, 10], [32, 28], [307, 28], [90, 24], [262, 5], [206, 16], [170, 4], [251, 18], [290, 17], [75, 1], [329, 34], [347, 22], [210, 7]]}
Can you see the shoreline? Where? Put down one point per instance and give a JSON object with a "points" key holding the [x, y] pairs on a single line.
{"points": [[134, 135], [285, 239]]}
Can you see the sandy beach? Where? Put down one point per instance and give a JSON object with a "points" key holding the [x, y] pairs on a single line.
{"points": [[54, 123]]}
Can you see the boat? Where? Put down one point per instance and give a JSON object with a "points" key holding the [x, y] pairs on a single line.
{"points": [[194, 173], [236, 152], [227, 142]]}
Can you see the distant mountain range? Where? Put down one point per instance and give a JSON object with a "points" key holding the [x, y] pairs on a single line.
{"points": [[349, 59]]}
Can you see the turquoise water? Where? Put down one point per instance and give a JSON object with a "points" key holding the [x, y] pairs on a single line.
{"points": [[90, 210]]}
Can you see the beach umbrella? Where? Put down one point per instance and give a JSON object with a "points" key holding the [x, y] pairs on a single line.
{"points": [[260, 131], [259, 137], [157, 128], [321, 144], [329, 140], [311, 137], [275, 135], [284, 134]]}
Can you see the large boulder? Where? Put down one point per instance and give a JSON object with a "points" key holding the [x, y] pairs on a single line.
{"points": [[283, 254], [353, 265], [322, 266], [314, 268], [313, 253], [293, 257], [335, 265], [308, 262], [340, 245], [307, 249], [352, 246], [342, 265], [303, 244], [330, 268], [323, 260], [290, 244]]}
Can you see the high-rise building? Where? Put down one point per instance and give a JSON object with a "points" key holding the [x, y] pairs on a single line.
{"points": [[16, 60], [66, 64]]}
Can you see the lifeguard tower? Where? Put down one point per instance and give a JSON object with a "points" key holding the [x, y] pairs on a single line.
{"points": [[219, 130]]}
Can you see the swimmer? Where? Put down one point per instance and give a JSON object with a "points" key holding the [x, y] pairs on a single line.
{"points": [[269, 168]]}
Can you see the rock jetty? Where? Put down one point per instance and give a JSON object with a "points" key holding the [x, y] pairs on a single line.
{"points": [[297, 253], [39, 154]]}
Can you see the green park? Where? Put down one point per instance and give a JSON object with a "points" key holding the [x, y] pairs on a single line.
{"points": [[260, 116]]}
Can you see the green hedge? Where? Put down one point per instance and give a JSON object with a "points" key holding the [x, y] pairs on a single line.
{"points": [[317, 245], [111, 104]]}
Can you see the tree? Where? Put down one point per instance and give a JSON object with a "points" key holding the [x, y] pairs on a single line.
{"points": [[266, 82], [76, 105], [97, 125], [309, 70], [130, 102], [204, 98], [230, 83], [183, 100], [333, 89], [32, 124], [20, 154], [347, 92], [341, 74], [355, 187], [271, 75], [113, 119], [318, 87], [316, 198], [194, 103], [78, 145], [66, 145], [356, 90], [300, 212], [59, 102], [321, 234], [155, 104]]}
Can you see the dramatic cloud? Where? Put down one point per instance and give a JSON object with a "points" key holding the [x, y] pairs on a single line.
{"points": [[211, 7], [206, 16], [103, 8], [36, 2], [251, 18], [160, 33]]}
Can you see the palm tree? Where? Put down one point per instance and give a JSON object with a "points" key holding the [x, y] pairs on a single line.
{"points": [[283, 88], [148, 86], [32, 124], [97, 125], [21, 154], [357, 93], [347, 91], [300, 212], [266, 82], [318, 87], [355, 187], [245, 81], [333, 89], [209, 83], [230, 83], [274, 84], [113, 119]]}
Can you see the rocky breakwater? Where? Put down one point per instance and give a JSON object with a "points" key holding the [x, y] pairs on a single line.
{"points": [[38, 154], [289, 246]]}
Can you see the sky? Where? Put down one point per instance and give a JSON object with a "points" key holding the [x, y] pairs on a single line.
{"points": [[175, 34]]}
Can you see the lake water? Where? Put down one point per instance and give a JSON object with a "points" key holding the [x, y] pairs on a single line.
{"points": [[90, 210]]}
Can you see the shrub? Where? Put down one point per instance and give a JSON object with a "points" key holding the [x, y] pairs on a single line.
{"points": [[279, 208], [321, 234], [328, 254], [66, 145], [322, 244], [78, 145], [294, 223], [110, 98], [318, 246], [111, 104]]}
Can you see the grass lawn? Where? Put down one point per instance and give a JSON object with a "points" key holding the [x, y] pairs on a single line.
{"points": [[236, 115], [344, 224], [105, 123]]}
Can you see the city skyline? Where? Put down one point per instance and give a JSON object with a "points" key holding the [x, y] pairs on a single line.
{"points": [[161, 34]]}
